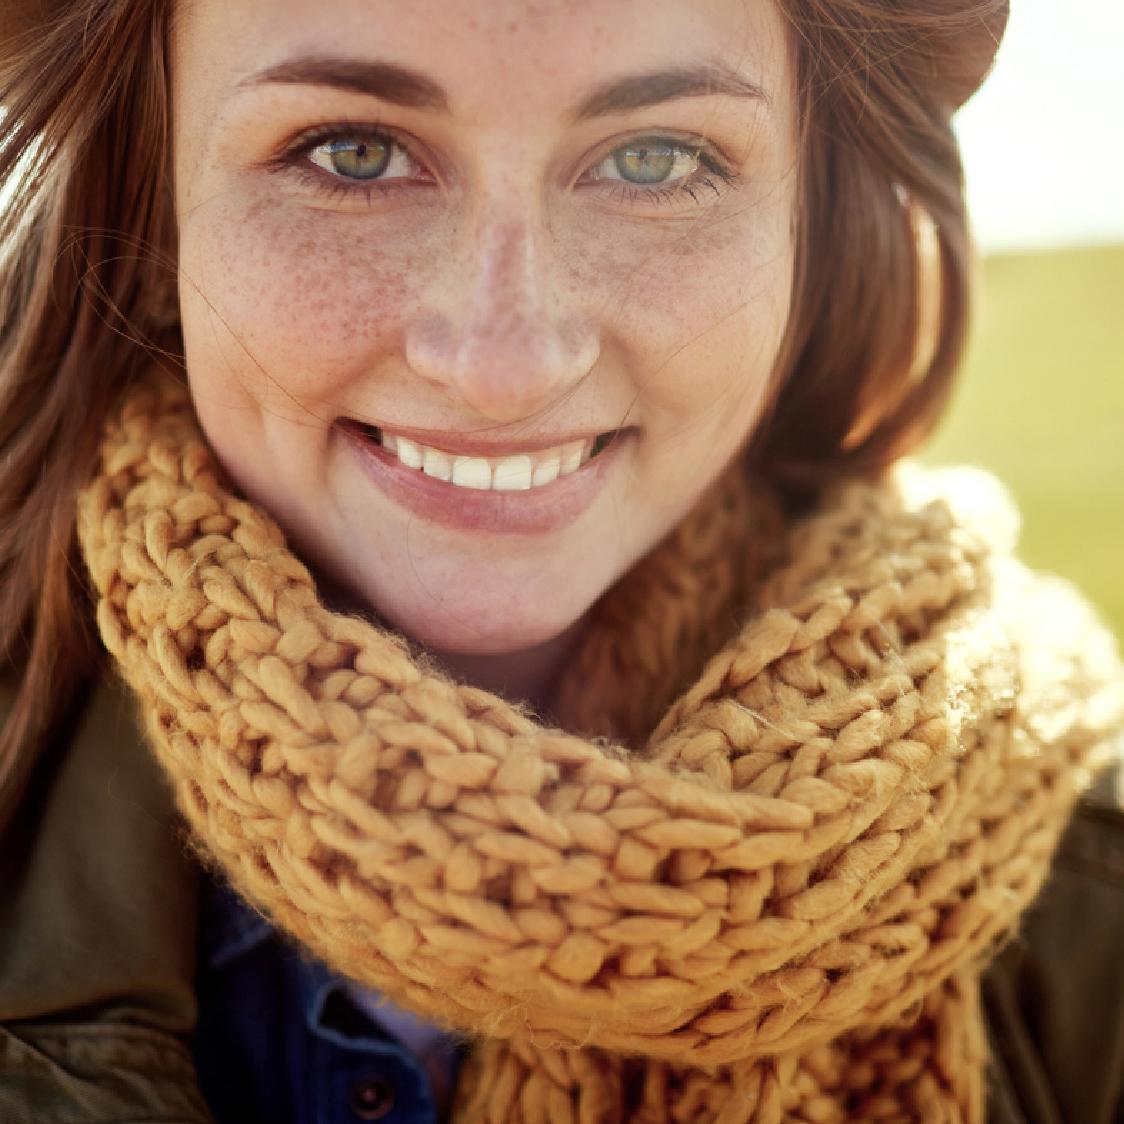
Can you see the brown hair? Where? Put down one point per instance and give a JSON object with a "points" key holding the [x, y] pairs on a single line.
{"points": [[87, 274], [879, 82]]}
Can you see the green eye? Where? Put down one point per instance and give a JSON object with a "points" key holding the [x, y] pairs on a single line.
{"points": [[358, 159], [649, 163], [658, 167]]}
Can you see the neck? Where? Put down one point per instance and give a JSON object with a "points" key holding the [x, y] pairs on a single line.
{"points": [[528, 675]]}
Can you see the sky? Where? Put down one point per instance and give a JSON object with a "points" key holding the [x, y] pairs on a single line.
{"points": [[1043, 141]]}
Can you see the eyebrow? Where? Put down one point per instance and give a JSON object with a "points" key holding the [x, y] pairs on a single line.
{"points": [[413, 90]]}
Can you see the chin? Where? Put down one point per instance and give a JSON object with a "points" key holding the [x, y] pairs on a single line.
{"points": [[488, 607], [468, 633]]}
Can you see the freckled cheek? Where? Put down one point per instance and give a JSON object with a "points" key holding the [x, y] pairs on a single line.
{"points": [[692, 311], [313, 298]]}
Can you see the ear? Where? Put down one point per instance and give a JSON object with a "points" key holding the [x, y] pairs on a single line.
{"points": [[963, 52]]}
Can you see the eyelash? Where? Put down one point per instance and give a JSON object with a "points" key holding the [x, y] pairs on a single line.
{"points": [[711, 175]]}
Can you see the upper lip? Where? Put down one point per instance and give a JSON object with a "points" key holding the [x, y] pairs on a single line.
{"points": [[463, 445]]}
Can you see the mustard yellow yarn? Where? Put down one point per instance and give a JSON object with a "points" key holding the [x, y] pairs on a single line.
{"points": [[806, 771]]}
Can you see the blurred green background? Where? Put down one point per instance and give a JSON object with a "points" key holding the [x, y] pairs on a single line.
{"points": [[1041, 403]]}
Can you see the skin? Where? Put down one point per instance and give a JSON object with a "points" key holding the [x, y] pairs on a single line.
{"points": [[507, 284]]}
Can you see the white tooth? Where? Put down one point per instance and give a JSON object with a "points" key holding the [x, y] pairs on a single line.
{"points": [[547, 470], [512, 474], [437, 464], [472, 472], [390, 442], [409, 453], [571, 458]]}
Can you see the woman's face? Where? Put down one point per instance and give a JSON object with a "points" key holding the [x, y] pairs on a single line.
{"points": [[494, 228]]}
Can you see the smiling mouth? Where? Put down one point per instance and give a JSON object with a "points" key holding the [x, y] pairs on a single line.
{"points": [[511, 473]]}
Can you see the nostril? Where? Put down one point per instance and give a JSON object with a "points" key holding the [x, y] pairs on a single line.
{"points": [[504, 366]]}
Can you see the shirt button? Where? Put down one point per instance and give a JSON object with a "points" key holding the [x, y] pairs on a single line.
{"points": [[371, 1098]]}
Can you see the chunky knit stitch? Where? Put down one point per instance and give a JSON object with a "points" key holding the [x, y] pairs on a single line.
{"points": [[805, 773]]}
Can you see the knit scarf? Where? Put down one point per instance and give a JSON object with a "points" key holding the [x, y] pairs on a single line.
{"points": [[804, 772]]}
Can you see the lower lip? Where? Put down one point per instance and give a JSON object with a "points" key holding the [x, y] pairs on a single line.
{"points": [[532, 511]]}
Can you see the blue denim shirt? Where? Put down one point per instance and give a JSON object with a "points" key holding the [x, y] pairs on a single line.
{"points": [[282, 1040]]}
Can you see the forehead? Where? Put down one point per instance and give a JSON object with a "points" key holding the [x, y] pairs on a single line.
{"points": [[551, 51]]}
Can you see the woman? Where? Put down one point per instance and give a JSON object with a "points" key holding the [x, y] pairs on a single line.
{"points": [[475, 432]]}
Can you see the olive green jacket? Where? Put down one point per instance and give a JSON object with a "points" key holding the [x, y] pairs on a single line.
{"points": [[98, 935]]}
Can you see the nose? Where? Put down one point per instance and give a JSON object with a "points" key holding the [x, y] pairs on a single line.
{"points": [[498, 330]]}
